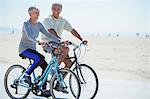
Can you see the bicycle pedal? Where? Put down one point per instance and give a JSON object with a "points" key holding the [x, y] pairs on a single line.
{"points": [[46, 93], [61, 89], [64, 91], [13, 86]]}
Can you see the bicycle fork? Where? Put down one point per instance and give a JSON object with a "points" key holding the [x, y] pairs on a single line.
{"points": [[80, 75]]}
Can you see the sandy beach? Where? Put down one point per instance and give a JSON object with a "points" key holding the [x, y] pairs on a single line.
{"points": [[122, 65]]}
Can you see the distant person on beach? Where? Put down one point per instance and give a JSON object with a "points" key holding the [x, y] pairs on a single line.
{"points": [[27, 46], [56, 24], [13, 31]]}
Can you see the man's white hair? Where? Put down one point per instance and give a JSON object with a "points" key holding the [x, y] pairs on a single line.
{"points": [[31, 9], [57, 4]]}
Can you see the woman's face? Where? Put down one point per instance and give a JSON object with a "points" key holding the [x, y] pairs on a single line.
{"points": [[34, 14]]}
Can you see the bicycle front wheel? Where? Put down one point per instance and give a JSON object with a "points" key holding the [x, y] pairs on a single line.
{"points": [[88, 80], [66, 77], [11, 83]]}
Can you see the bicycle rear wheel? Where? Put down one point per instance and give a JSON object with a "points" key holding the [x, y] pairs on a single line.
{"points": [[75, 86], [88, 80], [11, 83]]}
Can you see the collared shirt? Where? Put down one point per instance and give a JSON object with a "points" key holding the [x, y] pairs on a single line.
{"points": [[58, 25]]}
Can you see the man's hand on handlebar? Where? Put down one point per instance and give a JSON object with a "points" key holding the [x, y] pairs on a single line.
{"points": [[85, 42]]}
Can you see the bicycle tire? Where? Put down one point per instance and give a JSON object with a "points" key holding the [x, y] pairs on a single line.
{"points": [[95, 75], [77, 81], [6, 84]]}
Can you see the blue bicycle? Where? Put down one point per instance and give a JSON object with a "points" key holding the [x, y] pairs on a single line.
{"points": [[16, 87]]}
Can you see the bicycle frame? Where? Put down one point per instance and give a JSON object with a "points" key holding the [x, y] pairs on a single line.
{"points": [[53, 65], [77, 66]]}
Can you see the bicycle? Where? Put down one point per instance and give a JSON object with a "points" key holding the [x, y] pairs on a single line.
{"points": [[16, 88], [86, 75]]}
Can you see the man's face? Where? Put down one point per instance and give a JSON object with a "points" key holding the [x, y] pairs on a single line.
{"points": [[56, 9]]}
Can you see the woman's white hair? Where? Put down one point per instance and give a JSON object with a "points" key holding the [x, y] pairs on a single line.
{"points": [[31, 9]]}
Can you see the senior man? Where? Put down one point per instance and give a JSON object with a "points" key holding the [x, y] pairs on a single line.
{"points": [[55, 24]]}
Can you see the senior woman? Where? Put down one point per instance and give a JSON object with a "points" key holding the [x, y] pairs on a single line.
{"points": [[27, 46]]}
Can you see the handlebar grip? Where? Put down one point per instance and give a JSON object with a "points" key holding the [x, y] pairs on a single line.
{"points": [[39, 43], [84, 42], [70, 43]]}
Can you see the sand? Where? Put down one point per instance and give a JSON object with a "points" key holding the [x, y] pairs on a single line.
{"points": [[122, 64]]}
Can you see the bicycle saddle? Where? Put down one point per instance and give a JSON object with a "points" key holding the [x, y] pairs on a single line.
{"points": [[22, 56]]}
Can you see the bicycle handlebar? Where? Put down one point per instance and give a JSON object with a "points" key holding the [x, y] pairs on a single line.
{"points": [[76, 46], [52, 45]]}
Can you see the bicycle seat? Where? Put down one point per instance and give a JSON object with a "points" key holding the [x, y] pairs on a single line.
{"points": [[22, 56]]}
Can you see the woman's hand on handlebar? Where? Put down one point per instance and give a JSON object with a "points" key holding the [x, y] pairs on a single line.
{"points": [[42, 43]]}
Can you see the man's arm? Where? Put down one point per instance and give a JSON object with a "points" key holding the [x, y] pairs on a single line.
{"points": [[49, 35], [49, 27], [76, 34], [68, 27], [53, 32]]}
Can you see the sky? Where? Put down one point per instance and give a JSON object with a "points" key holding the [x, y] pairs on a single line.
{"points": [[86, 16]]}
